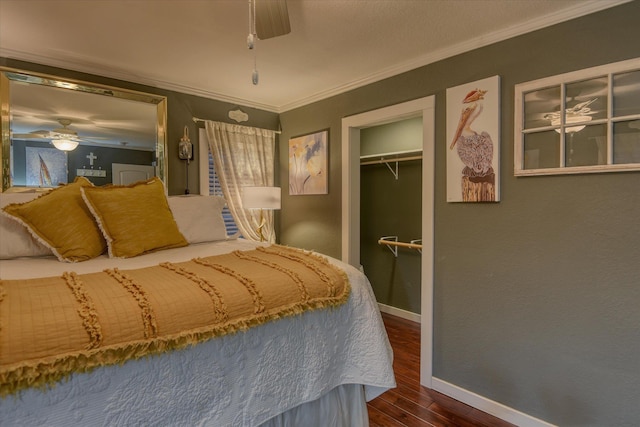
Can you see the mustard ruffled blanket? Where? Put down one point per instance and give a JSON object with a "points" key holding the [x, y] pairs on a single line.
{"points": [[51, 327]]}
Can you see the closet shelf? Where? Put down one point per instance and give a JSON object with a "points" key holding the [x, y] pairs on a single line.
{"points": [[392, 243], [392, 157]]}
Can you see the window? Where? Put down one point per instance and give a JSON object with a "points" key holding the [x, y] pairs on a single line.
{"points": [[215, 190], [581, 122], [209, 183]]}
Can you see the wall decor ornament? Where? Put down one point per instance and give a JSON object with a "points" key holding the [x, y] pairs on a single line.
{"points": [[473, 141], [308, 164], [583, 121]]}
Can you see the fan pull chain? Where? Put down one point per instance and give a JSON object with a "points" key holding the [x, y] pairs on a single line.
{"points": [[255, 76], [252, 39]]}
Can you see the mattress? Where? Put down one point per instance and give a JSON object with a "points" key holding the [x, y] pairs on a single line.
{"points": [[244, 379]]}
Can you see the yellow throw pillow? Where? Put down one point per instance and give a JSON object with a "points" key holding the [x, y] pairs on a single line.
{"points": [[134, 219], [61, 221]]}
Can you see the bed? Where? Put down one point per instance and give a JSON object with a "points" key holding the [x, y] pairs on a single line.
{"points": [[316, 366]]}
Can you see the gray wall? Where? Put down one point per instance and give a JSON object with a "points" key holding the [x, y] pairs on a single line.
{"points": [[536, 297], [180, 110]]}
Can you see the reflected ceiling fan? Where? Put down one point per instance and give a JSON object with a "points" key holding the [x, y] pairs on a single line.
{"points": [[579, 113], [62, 138]]}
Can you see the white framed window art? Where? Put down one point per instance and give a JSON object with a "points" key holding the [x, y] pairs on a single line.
{"points": [[585, 121]]}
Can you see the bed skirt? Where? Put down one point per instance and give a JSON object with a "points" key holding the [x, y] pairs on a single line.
{"points": [[344, 406]]}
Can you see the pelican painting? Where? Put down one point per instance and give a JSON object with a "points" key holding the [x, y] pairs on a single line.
{"points": [[472, 138]]}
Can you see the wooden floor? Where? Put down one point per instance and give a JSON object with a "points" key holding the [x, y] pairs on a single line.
{"points": [[410, 404]]}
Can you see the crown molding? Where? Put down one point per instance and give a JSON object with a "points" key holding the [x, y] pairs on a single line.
{"points": [[81, 65], [581, 9]]}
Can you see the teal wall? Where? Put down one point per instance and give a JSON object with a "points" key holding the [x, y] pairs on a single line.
{"points": [[536, 297]]}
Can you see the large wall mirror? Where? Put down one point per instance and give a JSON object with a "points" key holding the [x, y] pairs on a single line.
{"points": [[56, 129]]}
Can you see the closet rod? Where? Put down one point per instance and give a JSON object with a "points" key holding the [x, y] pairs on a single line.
{"points": [[383, 160], [403, 244], [196, 120], [391, 242]]}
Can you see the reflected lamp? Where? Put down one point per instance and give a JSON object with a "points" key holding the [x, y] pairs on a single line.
{"points": [[261, 198], [64, 144]]}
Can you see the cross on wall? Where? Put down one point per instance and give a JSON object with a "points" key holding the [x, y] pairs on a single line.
{"points": [[91, 158]]}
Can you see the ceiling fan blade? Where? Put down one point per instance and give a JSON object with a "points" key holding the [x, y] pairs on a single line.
{"points": [[24, 136], [32, 134], [272, 18]]}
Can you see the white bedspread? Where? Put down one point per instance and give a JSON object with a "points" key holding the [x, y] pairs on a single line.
{"points": [[238, 380]]}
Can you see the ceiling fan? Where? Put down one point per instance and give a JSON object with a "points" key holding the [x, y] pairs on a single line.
{"points": [[271, 18], [267, 19], [62, 138]]}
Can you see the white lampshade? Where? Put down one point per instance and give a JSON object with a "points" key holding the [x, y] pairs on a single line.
{"points": [[261, 197], [64, 144]]}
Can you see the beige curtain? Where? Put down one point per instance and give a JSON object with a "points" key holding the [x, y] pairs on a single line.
{"points": [[243, 156]]}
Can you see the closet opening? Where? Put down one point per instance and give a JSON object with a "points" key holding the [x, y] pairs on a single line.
{"points": [[391, 213], [352, 129]]}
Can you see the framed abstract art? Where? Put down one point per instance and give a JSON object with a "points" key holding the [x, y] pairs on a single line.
{"points": [[308, 163]]}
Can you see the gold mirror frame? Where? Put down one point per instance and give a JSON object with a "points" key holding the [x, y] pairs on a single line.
{"points": [[7, 75]]}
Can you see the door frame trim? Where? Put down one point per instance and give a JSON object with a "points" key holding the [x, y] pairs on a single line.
{"points": [[351, 126]]}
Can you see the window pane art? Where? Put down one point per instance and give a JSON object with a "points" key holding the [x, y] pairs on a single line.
{"points": [[537, 106], [587, 147], [586, 100], [626, 92], [580, 122], [626, 142], [542, 150]]}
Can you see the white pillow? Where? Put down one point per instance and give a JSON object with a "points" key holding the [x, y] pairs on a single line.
{"points": [[199, 218], [15, 239]]}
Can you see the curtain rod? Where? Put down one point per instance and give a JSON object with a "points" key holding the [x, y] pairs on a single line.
{"points": [[196, 120]]}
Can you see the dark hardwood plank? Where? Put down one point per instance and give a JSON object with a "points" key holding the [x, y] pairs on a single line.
{"points": [[398, 414], [380, 419], [410, 404]]}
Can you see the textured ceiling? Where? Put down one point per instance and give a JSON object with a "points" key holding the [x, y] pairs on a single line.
{"points": [[199, 46]]}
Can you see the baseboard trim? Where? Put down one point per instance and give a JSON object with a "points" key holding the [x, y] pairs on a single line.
{"points": [[470, 398], [487, 405], [414, 317]]}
